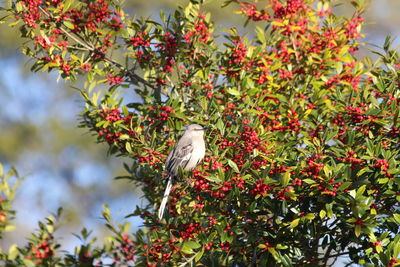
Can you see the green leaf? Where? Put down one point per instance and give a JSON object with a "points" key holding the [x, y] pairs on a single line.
{"points": [[285, 178], [124, 137], [360, 191], [28, 263], [357, 230], [261, 35], [220, 126], [106, 212], [322, 214], [309, 216], [128, 147], [100, 123], [214, 179], [199, 255], [339, 67], [383, 180], [233, 166], [69, 24], [309, 181], [352, 193], [162, 15], [125, 111], [280, 246], [13, 252], [329, 210], [233, 92], [189, 246], [396, 216], [9, 228], [344, 186], [277, 23], [15, 22]]}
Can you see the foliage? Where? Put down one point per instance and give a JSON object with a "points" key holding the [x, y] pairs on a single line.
{"points": [[9, 182], [303, 153]]}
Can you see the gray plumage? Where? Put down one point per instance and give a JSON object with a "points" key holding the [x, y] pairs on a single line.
{"points": [[187, 153]]}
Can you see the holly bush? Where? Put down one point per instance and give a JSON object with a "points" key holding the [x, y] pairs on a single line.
{"points": [[302, 161]]}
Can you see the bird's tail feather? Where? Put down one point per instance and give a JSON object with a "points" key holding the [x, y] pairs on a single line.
{"points": [[165, 198]]}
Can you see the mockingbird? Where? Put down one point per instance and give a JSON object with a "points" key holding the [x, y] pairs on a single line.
{"points": [[187, 153]]}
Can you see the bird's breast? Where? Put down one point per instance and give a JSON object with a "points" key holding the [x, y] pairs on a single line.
{"points": [[197, 155]]}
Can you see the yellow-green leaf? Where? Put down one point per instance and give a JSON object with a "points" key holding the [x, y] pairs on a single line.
{"points": [[233, 166], [199, 255], [9, 228], [285, 179], [233, 91], [357, 230], [322, 214], [189, 246], [12, 252], [69, 24], [128, 147], [396, 217], [294, 223], [310, 216]]}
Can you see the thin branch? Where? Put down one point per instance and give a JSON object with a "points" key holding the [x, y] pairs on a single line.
{"points": [[188, 260], [254, 258], [130, 73], [76, 38], [334, 261], [327, 254], [88, 47], [77, 48], [170, 81]]}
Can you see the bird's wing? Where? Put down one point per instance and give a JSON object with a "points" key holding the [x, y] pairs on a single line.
{"points": [[180, 156]]}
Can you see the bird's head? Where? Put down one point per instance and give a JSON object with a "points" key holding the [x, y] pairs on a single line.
{"points": [[194, 129]]}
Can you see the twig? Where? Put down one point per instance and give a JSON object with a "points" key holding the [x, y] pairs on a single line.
{"points": [[254, 258], [188, 260], [77, 48], [327, 254], [130, 73], [170, 81], [88, 47], [76, 38]]}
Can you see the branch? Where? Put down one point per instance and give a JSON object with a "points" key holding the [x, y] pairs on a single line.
{"points": [[88, 47], [188, 260], [254, 258], [130, 73], [327, 254], [75, 37]]}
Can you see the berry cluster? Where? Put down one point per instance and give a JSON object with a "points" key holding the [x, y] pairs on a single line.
{"points": [[250, 10], [114, 79], [41, 252], [201, 31], [159, 114], [126, 251]]}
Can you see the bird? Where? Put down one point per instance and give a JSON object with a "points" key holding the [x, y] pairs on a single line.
{"points": [[187, 154]]}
